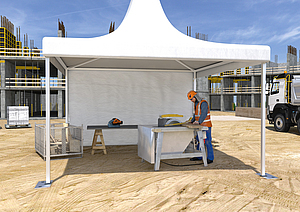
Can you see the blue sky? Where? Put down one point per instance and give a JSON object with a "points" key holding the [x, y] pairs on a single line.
{"points": [[275, 23]]}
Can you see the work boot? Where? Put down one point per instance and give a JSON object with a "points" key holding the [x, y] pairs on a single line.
{"points": [[209, 161], [195, 158]]}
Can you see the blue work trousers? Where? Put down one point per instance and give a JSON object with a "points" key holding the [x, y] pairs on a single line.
{"points": [[209, 148]]}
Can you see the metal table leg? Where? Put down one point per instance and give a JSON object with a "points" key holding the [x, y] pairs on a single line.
{"points": [[158, 150], [202, 147], [63, 141]]}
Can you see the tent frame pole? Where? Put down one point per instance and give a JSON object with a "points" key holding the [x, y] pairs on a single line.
{"points": [[263, 118], [47, 183], [263, 124], [195, 80], [67, 96]]}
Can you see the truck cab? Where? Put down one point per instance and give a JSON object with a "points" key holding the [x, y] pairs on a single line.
{"points": [[277, 93], [284, 102]]}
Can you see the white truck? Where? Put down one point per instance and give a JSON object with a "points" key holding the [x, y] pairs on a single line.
{"points": [[284, 102]]}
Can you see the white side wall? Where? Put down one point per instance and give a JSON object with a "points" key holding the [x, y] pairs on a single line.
{"points": [[95, 97]]}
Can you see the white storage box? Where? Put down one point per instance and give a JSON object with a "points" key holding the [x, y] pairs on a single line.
{"points": [[17, 116]]}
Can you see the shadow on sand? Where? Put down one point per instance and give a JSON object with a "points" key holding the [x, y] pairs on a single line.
{"points": [[293, 130], [125, 159]]}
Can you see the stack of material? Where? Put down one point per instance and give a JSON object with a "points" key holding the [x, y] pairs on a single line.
{"points": [[17, 117]]}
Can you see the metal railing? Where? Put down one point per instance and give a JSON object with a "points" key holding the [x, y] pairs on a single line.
{"points": [[232, 90], [257, 71], [238, 90], [34, 82], [21, 52]]}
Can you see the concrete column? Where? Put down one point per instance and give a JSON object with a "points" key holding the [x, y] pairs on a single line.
{"points": [[59, 33], [252, 95], [291, 61], [202, 88], [226, 100], [2, 71], [239, 101], [17, 98], [222, 96], [245, 98], [257, 83], [3, 105], [3, 102]]}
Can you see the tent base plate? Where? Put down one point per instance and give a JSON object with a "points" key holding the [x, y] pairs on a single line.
{"points": [[43, 184], [267, 176]]}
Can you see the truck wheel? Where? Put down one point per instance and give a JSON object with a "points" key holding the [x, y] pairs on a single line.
{"points": [[298, 125], [280, 124]]}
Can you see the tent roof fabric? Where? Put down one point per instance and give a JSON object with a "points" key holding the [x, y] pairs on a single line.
{"points": [[146, 40]]}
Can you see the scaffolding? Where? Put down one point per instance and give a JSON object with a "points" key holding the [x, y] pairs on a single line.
{"points": [[11, 45]]}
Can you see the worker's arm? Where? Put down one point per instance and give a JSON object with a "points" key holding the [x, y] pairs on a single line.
{"points": [[193, 119], [204, 110]]}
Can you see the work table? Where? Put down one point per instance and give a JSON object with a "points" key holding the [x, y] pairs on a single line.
{"points": [[156, 143]]}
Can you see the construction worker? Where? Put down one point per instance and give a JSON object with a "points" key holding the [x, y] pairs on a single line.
{"points": [[201, 115]]}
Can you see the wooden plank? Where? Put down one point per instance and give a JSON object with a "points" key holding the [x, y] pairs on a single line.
{"points": [[195, 126]]}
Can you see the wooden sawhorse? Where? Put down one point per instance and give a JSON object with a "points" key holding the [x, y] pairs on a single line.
{"points": [[98, 132]]}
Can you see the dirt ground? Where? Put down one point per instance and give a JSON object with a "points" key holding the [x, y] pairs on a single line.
{"points": [[119, 181]]}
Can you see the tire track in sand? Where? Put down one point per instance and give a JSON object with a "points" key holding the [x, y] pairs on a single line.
{"points": [[265, 190]]}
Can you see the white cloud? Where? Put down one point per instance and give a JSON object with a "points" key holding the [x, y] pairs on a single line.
{"points": [[251, 4], [118, 5], [238, 36], [291, 34], [255, 3], [286, 1], [18, 17]]}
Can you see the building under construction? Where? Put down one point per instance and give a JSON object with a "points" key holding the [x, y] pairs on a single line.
{"points": [[22, 70], [242, 87]]}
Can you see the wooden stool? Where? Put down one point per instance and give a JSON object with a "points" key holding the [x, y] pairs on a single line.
{"points": [[95, 142]]}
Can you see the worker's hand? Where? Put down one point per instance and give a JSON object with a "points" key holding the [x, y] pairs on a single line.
{"points": [[195, 122], [189, 121]]}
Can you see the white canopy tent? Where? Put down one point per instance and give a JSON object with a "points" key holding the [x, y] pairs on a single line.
{"points": [[147, 42]]}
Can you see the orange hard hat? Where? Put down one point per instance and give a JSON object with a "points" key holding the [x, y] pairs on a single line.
{"points": [[191, 94]]}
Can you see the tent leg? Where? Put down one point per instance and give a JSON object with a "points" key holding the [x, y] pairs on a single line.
{"points": [[48, 182], [263, 118], [263, 123], [67, 96], [195, 81]]}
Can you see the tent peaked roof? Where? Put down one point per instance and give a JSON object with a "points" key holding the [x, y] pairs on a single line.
{"points": [[146, 40]]}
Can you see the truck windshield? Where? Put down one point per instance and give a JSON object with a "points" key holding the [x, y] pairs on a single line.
{"points": [[275, 88]]}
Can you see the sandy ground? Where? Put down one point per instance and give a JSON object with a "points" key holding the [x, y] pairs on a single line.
{"points": [[119, 181]]}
